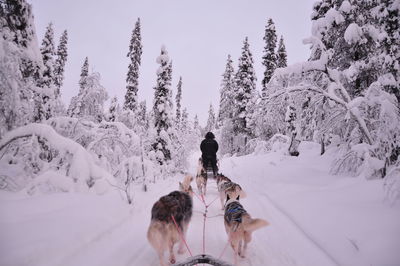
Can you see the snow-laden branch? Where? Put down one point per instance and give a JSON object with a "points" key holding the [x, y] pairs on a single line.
{"points": [[82, 166], [335, 86]]}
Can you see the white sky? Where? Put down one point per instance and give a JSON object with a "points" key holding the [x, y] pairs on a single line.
{"points": [[197, 34]]}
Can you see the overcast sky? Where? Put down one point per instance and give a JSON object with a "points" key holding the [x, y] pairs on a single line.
{"points": [[198, 36]]}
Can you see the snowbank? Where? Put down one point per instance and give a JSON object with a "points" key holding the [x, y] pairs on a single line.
{"points": [[82, 168]]}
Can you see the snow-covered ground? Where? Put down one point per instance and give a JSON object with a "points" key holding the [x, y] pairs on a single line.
{"points": [[316, 219]]}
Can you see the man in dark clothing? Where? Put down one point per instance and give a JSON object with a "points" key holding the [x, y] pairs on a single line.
{"points": [[209, 148]]}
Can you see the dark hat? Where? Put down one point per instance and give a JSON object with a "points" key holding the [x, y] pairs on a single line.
{"points": [[210, 135]]}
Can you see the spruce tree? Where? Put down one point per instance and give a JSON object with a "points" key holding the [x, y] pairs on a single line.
{"points": [[113, 109], [227, 93], [48, 51], [269, 58], [211, 119], [178, 101], [75, 105], [244, 91], [132, 77], [196, 124], [143, 120], [281, 55], [163, 109], [45, 97], [62, 53], [84, 73], [90, 100]]}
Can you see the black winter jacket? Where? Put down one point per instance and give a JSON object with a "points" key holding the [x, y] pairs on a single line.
{"points": [[209, 148]]}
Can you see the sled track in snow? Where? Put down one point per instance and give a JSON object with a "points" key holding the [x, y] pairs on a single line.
{"points": [[97, 238], [299, 228]]}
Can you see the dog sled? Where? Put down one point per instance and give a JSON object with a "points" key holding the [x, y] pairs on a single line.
{"points": [[202, 258], [209, 169]]}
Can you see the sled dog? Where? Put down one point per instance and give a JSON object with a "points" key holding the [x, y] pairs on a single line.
{"points": [[163, 233], [201, 178], [239, 226], [228, 188]]}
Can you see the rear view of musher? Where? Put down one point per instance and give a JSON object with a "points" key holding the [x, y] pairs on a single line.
{"points": [[209, 148]]}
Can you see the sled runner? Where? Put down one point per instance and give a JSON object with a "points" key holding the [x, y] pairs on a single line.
{"points": [[209, 169], [203, 258]]}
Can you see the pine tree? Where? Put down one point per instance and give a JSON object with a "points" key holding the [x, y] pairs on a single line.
{"points": [[132, 77], [163, 109], [178, 101], [227, 93], [61, 59], [211, 119], [281, 55], [269, 58], [48, 51], [244, 91], [84, 73]]}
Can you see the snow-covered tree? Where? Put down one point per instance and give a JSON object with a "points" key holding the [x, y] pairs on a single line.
{"points": [[48, 52], [45, 99], [84, 72], [163, 109], [20, 64], [196, 126], [226, 103], [143, 116], [178, 99], [113, 110], [74, 107], [349, 54], [269, 57], [245, 88], [132, 77], [211, 121], [281, 55], [90, 100], [62, 53]]}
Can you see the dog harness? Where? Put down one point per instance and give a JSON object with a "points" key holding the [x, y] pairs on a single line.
{"points": [[234, 212]]}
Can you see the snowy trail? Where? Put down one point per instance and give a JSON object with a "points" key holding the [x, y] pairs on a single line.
{"points": [[282, 243], [85, 229]]}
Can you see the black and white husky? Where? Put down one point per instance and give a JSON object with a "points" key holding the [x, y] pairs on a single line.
{"points": [[163, 233]]}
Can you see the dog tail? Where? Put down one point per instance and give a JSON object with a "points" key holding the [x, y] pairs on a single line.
{"points": [[254, 224]]}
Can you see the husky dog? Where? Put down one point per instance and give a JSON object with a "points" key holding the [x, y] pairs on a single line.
{"points": [[227, 188], [201, 178], [239, 226], [163, 234]]}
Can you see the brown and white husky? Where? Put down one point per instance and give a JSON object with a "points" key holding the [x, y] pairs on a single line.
{"points": [[201, 178], [163, 234], [239, 226], [227, 188]]}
